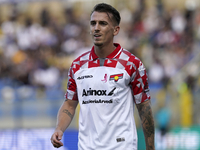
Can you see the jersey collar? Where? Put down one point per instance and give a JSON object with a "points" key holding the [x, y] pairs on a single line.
{"points": [[112, 55]]}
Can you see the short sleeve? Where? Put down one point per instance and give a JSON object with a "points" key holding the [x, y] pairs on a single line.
{"points": [[139, 84], [71, 86]]}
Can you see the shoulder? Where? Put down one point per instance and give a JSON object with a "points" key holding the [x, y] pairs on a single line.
{"points": [[80, 60], [131, 58], [84, 56]]}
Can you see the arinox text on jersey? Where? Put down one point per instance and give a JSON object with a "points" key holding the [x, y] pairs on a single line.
{"points": [[97, 92]]}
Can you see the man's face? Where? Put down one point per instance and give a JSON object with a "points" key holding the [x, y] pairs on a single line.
{"points": [[101, 28]]}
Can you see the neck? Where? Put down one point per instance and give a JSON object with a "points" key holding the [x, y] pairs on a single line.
{"points": [[103, 52]]}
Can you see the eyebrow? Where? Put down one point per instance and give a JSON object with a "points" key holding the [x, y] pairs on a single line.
{"points": [[110, 16], [91, 21]]}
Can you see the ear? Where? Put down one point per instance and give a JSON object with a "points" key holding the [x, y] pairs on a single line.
{"points": [[116, 30]]}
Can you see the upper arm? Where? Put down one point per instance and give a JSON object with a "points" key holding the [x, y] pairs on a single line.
{"points": [[72, 104], [144, 107], [71, 93], [68, 107], [145, 112], [139, 83]]}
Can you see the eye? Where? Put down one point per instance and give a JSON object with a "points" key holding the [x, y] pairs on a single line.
{"points": [[103, 23], [92, 23]]}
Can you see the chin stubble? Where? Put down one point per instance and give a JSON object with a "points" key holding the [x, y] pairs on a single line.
{"points": [[98, 44]]}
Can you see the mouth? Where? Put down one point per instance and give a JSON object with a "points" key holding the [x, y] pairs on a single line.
{"points": [[97, 35]]}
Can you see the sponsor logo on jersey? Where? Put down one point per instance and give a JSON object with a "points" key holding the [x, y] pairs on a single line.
{"points": [[98, 101], [116, 77], [105, 78], [120, 139], [83, 77], [97, 92]]}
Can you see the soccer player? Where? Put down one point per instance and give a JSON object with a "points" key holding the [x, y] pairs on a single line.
{"points": [[107, 82]]}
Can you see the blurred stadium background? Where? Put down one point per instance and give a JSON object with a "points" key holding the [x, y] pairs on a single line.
{"points": [[40, 38]]}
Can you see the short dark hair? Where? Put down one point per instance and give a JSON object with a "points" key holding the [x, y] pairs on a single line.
{"points": [[102, 7]]}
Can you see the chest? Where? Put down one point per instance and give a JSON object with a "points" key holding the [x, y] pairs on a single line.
{"points": [[102, 87]]}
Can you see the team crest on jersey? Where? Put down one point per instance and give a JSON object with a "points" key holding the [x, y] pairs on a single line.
{"points": [[116, 77]]}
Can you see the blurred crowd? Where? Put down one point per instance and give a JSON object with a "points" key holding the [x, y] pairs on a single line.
{"points": [[36, 55]]}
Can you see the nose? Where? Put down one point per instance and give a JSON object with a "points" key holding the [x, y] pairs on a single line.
{"points": [[96, 28]]}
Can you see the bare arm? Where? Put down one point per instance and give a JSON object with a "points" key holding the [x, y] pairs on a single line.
{"points": [[64, 118], [146, 116]]}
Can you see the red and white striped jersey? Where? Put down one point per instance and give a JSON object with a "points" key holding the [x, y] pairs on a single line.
{"points": [[107, 89]]}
